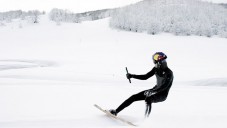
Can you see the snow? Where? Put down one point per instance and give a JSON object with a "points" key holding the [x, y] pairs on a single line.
{"points": [[187, 17], [52, 75]]}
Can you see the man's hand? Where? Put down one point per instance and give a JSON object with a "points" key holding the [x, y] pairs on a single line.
{"points": [[129, 76], [148, 101], [149, 93]]}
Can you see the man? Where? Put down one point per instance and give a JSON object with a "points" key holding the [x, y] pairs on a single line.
{"points": [[159, 92]]}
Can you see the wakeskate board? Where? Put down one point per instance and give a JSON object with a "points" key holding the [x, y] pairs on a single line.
{"points": [[113, 116]]}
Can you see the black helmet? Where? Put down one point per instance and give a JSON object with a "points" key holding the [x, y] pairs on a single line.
{"points": [[158, 57], [159, 60]]}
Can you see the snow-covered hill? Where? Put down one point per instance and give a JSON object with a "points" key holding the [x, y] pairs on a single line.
{"points": [[51, 75], [179, 17]]}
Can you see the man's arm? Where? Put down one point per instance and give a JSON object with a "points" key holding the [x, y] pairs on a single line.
{"points": [[144, 77]]}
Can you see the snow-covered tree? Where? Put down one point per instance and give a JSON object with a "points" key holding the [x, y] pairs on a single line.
{"points": [[34, 16], [11, 15], [59, 15], [181, 17]]}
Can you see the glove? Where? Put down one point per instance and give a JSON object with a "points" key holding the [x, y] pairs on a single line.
{"points": [[129, 76], [148, 101], [149, 93]]}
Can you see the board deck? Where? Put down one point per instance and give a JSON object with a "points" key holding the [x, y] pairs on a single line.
{"points": [[113, 116]]}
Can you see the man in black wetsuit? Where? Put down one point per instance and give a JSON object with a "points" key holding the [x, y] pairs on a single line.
{"points": [[159, 92]]}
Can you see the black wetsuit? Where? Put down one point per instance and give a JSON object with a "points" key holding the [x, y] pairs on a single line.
{"points": [[160, 92]]}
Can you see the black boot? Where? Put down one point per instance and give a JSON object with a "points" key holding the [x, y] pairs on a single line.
{"points": [[113, 112]]}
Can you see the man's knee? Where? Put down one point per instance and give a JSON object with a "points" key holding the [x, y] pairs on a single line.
{"points": [[159, 99]]}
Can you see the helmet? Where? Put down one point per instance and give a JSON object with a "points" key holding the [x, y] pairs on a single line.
{"points": [[158, 57]]}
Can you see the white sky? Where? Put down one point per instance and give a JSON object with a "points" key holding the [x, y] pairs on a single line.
{"points": [[72, 5], [216, 1]]}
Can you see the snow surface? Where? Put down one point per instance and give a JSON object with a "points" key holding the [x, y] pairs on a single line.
{"points": [[51, 75]]}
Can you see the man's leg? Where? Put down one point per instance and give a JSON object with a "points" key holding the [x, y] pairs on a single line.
{"points": [[153, 99], [130, 100]]}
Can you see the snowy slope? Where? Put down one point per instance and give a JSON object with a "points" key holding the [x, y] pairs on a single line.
{"points": [[51, 75]]}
